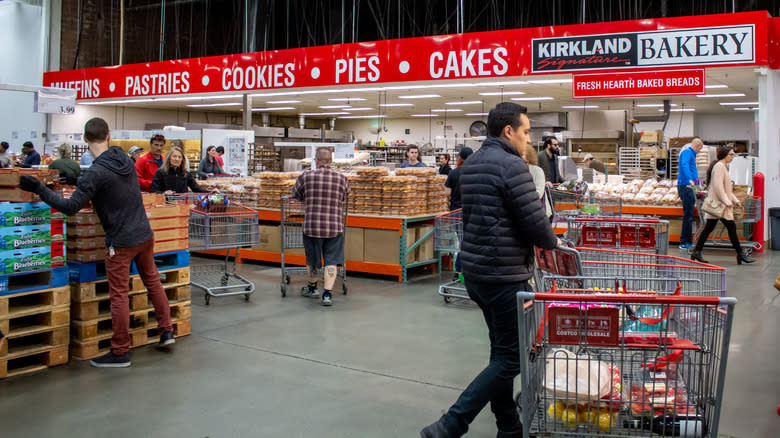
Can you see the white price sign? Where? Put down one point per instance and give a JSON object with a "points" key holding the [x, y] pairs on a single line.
{"points": [[55, 101]]}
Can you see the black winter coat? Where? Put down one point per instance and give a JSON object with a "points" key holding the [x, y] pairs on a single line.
{"points": [[177, 182], [112, 185], [502, 216]]}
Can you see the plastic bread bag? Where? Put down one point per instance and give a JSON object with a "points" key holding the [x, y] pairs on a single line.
{"points": [[574, 377]]}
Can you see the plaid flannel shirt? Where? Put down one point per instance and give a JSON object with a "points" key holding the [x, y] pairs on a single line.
{"points": [[324, 193]]}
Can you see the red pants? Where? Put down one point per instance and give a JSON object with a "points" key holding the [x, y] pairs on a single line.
{"points": [[118, 273]]}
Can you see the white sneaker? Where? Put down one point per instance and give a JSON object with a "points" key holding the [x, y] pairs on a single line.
{"points": [[326, 299], [306, 292]]}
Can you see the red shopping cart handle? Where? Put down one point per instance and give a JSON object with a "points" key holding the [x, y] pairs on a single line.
{"points": [[632, 299], [617, 220]]}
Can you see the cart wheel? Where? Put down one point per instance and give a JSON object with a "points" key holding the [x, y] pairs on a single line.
{"points": [[287, 279], [246, 297], [344, 288], [208, 299], [284, 290], [446, 299]]}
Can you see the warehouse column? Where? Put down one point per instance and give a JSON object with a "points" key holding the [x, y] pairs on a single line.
{"points": [[247, 112], [769, 138]]}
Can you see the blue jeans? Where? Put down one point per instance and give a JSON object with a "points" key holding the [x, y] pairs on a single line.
{"points": [[688, 199], [494, 384]]}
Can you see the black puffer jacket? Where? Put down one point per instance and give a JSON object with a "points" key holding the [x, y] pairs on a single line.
{"points": [[175, 181], [502, 216], [112, 185]]}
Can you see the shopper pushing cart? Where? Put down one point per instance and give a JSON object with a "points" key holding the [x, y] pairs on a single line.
{"points": [[324, 194]]}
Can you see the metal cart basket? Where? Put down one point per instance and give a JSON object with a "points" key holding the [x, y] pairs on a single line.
{"points": [[571, 204], [609, 270], [747, 216], [291, 226], [586, 372], [448, 235], [628, 234], [211, 227]]}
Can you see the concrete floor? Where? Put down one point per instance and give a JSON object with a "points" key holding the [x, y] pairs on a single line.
{"points": [[384, 361]]}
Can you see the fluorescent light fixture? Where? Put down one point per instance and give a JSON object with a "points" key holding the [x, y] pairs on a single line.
{"points": [[498, 84], [504, 93], [396, 104], [206, 105], [738, 103], [341, 113], [652, 105], [533, 98], [375, 116], [580, 106], [116, 102], [425, 115], [419, 96], [679, 110], [334, 106], [358, 109], [170, 99], [347, 99], [467, 102], [476, 114], [722, 95], [446, 110], [277, 108], [745, 109], [716, 86], [551, 81], [281, 102]]}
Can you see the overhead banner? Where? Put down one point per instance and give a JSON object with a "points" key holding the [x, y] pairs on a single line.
{"points": [[713, 40], [635, 84]]}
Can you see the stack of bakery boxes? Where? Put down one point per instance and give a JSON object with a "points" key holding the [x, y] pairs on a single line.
{"points": [[90, 305], [34, 293]]}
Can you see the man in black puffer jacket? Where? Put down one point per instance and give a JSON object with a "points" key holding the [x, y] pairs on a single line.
{"points": [[502, 222], [112, 186]]}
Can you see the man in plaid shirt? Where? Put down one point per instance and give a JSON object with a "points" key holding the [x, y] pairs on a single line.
{"points": [[324, 193]]}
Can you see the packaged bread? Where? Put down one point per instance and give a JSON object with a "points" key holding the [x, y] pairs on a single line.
{"points": [[416, 171], [372, 171]]}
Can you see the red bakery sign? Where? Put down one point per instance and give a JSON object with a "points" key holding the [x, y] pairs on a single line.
{"points": [[652, 83], [657, 44]]}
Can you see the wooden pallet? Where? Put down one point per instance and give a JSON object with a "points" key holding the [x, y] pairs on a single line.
{"points": [[100, 306], [33, 360], [100, 328], [140, 336]]}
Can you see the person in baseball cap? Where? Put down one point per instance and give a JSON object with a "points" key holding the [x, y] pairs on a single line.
{"points": [[593, 163], [134, 152]]}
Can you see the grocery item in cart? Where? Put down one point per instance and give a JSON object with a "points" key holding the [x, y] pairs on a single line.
{"points": [[576, 377]]}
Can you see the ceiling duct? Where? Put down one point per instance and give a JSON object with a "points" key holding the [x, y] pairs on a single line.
{"points": [[266, 119], [301, 122], [659, 118], [332, 123]]}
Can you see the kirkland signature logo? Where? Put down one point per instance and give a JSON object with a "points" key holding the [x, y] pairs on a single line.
{"points": [[715, 45]]}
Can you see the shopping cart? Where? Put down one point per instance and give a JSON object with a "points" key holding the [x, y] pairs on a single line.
{"points": [[584, 370], [609, 270], [628, 234], [211, 227], [292, 216], [747, 216], [571, 204], [447, 237]]}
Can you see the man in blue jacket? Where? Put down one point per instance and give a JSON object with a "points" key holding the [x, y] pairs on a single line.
{"points": [[502, 222], [687, 175], [31, 156]]}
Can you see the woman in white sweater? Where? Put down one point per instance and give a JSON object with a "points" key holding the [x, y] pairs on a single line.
{"points": [[719, 187], [530, 156]]}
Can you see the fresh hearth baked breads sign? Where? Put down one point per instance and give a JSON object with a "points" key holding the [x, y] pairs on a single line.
{"points": [[726, 39]]}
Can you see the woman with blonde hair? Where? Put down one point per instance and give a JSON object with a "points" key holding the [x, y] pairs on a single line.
{"points": [[173, 177], [720, 188]]}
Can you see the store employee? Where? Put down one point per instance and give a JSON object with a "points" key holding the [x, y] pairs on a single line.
{"points": [[412, 153]]}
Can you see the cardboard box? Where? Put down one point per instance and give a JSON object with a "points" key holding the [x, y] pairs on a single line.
{"points": [[77, 231], [167, 211], [165, 223], [15, 194], [171, 245], [426, 249], [353, 244], [171, 234], [94, 255], [86, 243], [31, 236], [23, 260], [9, 177], [269, 238], [14, 214], [150, 199], [381, 246], [84, 217]]}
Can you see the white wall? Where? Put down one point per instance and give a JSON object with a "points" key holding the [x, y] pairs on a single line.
{"points": [[421, 129], [133, 118], [739, 125], [21, 52], [769, 140], [680, 124]]}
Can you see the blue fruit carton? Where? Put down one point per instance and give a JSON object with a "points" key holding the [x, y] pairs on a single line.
{"points": [[28, 236], [15, 214], [24, 260]]}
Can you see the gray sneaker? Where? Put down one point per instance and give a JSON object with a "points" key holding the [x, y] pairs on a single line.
{"points": [[310, 293], [326, 299]]}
